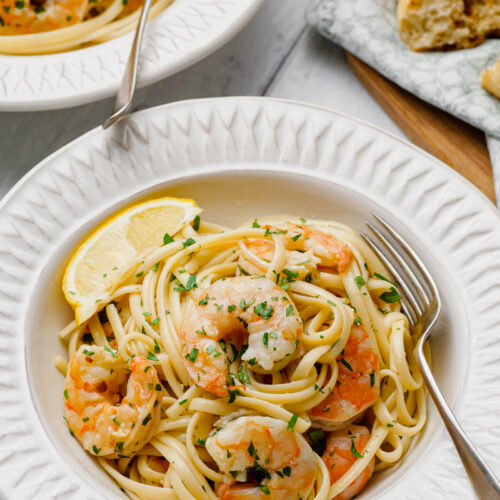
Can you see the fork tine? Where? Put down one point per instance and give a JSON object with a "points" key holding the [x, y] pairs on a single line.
{"points": [[415, 259], [406, 304], [414, 281], [410, 283]]}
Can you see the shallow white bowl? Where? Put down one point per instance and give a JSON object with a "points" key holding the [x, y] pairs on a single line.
{"points": [[242, 158], [187, 31]]}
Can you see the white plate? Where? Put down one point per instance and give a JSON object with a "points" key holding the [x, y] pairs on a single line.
{"points": [[241, 158], [184, 33]]}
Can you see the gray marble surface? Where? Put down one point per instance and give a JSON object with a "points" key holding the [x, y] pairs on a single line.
{"points": [[277, 55]]}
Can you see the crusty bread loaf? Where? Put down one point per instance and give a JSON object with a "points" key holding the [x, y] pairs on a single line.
{"points": [[438, 24], [491, 79]]}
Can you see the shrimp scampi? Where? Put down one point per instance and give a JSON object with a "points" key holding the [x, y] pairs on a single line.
{"points": [[271, 361], [105, 423], [343, 448], [254, 315], [357, 387], [261, 458], [307, 249]]}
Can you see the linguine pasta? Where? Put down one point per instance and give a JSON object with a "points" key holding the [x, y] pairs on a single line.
{"points": [[147, 319]]}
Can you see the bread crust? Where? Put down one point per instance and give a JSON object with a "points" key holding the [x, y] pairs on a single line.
{"points": [[447, 24], [490, 79]]}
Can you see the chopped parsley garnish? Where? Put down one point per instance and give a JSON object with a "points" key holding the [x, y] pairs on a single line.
{"points": [[201, 442], [157, 347], [318, 439], [183, 402], [353, 449], [155, 322], [147, 419], [243, 271], [359, 281], [88, 353], [243, 375], [265, 339], [316, 435], [255, 224], [252, 451], [380, 277], [191, 282], [264, 489], [116, 421], [19, 4], [231, 308], [138, 275], [245, 305], [151, 357], [113, 353], [346, 364], [65, 394], [232, 395], [252, 361], [357, 321], [196, 223], [167, 239], [192, 355], [95, 449], [296, 237], [263, 310], [391, 296], [292, 422], [289, 310], [204, 301], [155, 267], [372, 379], [188, 242]]}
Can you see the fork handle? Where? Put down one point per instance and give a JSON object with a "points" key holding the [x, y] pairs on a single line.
{"points": [[482, 478]]}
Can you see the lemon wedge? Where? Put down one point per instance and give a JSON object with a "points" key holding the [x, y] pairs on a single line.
{"points": [[113, 251]]}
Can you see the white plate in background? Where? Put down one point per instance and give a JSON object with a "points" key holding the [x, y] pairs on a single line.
{"points": [[241, 158], [181, 35]]}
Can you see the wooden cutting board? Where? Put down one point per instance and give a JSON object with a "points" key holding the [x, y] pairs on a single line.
{"points": [[453, 141]]}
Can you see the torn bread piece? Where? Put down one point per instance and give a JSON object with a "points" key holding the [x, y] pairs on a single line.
{"points": [[490, 79], [447, 24]]}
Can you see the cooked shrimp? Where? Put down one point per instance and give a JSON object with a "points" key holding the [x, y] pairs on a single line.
{"points": [[105, 423], [358, 384], [234, 311], [307, 248], [34, 16], [343, 448], [270, 461]]}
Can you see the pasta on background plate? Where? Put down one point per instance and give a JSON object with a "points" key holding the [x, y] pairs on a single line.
{"points": [[29, 27]]}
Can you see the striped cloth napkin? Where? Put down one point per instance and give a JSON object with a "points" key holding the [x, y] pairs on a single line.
{"points": [[449, 80]]}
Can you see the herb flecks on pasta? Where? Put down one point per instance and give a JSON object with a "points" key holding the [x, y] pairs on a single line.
{"points": [[268, 361]]}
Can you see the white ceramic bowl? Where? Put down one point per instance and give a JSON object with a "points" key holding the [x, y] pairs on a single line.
{"points": [[242, 158], [187, 31]]}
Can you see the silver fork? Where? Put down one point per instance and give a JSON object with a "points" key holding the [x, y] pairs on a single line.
{"points": [[420, 301]]}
